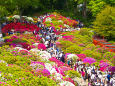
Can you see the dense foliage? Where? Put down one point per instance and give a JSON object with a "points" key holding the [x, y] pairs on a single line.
{"points": [[105, 22], [80, 42]]}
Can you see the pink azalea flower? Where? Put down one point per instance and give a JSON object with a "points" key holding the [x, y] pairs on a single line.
{"points": [[81, 56], [68, 38], [89, 60], [41, 46], [70, 80], [44, 72]]}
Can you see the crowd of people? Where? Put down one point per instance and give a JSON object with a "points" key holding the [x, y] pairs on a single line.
{"points": [[88, 72], [94, 76]]}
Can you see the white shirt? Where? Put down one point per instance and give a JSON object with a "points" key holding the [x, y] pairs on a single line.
{"points": [[89, 71], [93, 67], [112, 80], [60, 55], [92, 76], [97, 84], [98, 72], [46, 43], [0, 35], [43, 40], [100, 76]]}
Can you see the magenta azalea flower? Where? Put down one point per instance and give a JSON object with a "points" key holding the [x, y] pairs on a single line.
{"points": [[44, 72], [58, 62], [89, 60], [41, 46], [81, 56], [70, 80], [66, 55], [34, 62], [104, 64], [68, 38]]}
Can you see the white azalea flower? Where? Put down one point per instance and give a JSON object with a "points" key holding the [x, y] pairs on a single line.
{"points": [[16, 17], [45, 55], [36, 44], [48, 19], [18, 48], [58, 75], [60, 21], [23, 49], [2, 61], [65, 25], [72, 56], [66, 83], [53, 70], [24, 16], [35, 51], [58, 79], [30, 18], [48, 66]]}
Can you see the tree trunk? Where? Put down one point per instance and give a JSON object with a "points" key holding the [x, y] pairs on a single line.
{"points": [[21, 15], [67, 6], [51, 4], [0, 27], [84, 9], [75, 7]]}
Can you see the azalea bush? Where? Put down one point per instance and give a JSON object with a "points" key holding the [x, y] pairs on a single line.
{"points": [[21, 27], [92, 54], [75, 49], [109, 56], [24, 40], [15, 76], [80, 42], [58, 21], [73, 74]]}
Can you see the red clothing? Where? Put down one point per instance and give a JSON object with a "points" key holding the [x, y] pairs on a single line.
{"points": [[83, 73]]}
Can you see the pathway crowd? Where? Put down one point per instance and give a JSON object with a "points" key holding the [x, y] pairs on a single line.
{"points": [[90, 73]]}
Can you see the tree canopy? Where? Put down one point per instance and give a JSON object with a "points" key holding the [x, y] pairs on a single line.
{"points": [[104, 24]]}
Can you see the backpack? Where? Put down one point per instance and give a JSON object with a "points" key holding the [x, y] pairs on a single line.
{"points": [[93, 71], [68, 62]]}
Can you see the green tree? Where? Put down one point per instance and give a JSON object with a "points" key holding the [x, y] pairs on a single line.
{"points": [[104, 24], [22, 5], [96, 6], [109, 2]]}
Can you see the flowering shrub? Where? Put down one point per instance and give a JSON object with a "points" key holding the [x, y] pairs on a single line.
{"points": [[109, 56], [81, 56], [73, 74], [93, 54], [74, 49], [89, 60], [43, 72], [59, 21], [37, 65], [70, 80], [19, 27], [41, 46], [44, 55], [68, 38], [24, 41], [59, 63], [66, 83], [74, 57]]}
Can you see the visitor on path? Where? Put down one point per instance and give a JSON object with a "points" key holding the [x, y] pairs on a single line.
{"points": [[82, 74], [68, 62], [112, 80]]}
